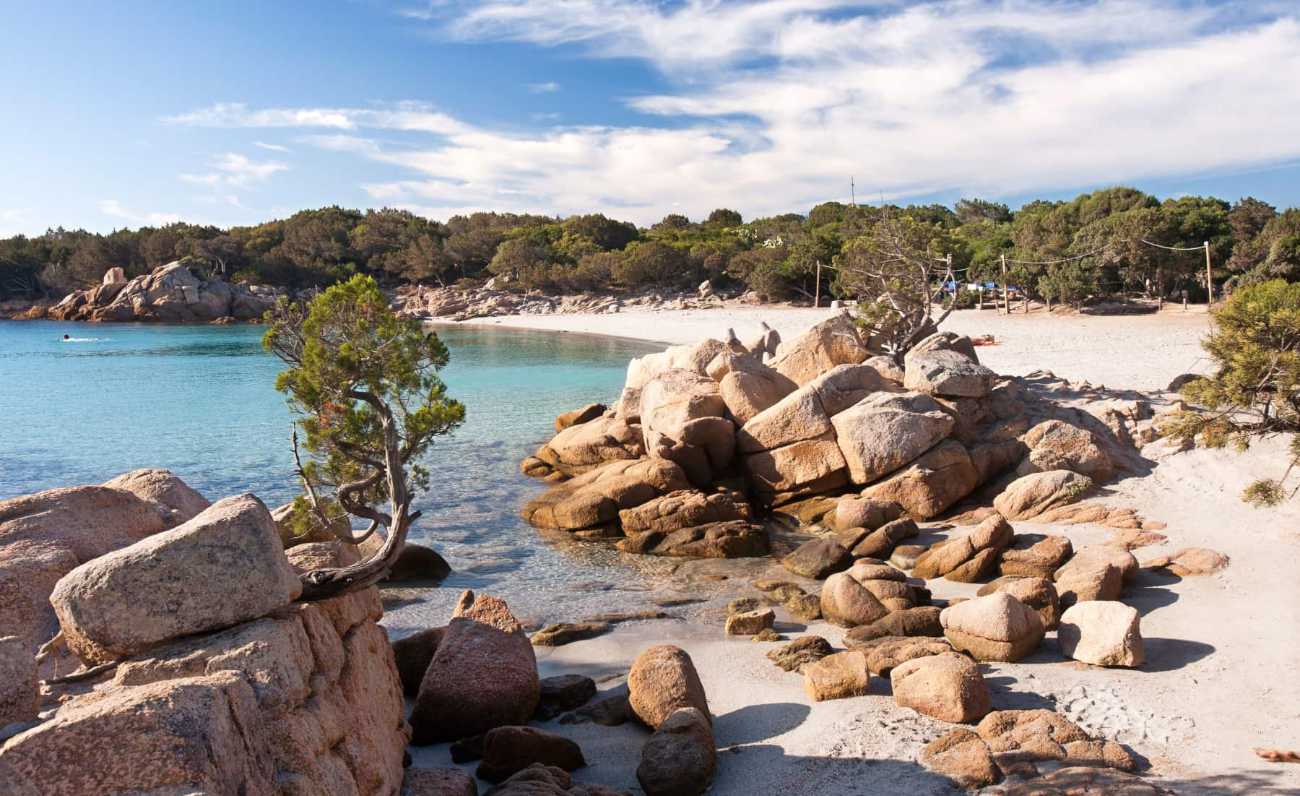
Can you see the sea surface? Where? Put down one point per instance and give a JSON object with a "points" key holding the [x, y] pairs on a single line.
{"points": [[200, 401]]}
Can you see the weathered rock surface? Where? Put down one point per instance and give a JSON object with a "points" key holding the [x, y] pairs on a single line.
{"points": [[996, 627], [1190, 561], [541, 780], [885, 431], [19, 694], [1037, 593], [1044, 735], [793, 657], [683, 419], [886, 652], [947, 687], [818, 558], [177, 500], [582, 447], [576, 417], [832, 342], [930, 484], [838, 676], [595, 497], [680, 757], [846, 602], [735, 539], [880, 543], [1103, 633], [919, 621], [962, 756], [805, 467], [1095, 572], [969, 558], [173, 583], [683, 509], [563, 693], [852, 511], [944, 364], [482, 675], [1035, 556], [1032, 495], [748, 623], [437, 782], [663, 680], [1058, 445]]}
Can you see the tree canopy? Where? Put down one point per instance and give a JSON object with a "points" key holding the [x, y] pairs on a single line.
{"points": [[1064, 250]]}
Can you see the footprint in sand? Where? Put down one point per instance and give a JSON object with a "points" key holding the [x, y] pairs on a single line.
{"points": [[1102, 711]]}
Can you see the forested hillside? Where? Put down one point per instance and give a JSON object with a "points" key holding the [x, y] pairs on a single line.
{"points": [[1100, 240]]}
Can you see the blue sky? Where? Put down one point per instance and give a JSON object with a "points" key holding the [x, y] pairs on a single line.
{"points": [[134, 113]]}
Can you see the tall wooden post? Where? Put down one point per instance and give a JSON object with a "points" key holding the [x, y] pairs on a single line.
{"points": [[1006, 301], [817, 289], [1209, 276]]}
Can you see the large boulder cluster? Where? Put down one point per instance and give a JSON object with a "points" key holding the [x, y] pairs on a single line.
{"points": [[171, 293], [206, 673], [706, 440]]}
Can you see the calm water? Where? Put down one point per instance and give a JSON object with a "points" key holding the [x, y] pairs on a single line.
{"points": [[199, 400]]}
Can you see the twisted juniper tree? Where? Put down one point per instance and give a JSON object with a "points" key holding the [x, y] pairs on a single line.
{"points": [[900, 272], [366, 385]]}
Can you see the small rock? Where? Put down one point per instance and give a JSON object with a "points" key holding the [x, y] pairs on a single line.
{"points": [[742, 605], [418, 563], [662, 680], [905, 555], [887, 652], [947, 687], [1190, 561], [800, 652], [920, 621], [437, 782], [750, 622], [996, 627], [611, 711], [818, 558], [562, 633], [962, 756], [767, 634], [680, 757], [563, 693], [509, 750], [837, 676], [1103, 633]]}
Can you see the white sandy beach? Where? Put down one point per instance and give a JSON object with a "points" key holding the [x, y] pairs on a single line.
{"points": [[1223, 650]]}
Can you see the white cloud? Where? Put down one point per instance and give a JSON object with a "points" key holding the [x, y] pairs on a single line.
{"points": [[115, 209], [271, 147], [549, 87], [233, 170], [775, 104]]}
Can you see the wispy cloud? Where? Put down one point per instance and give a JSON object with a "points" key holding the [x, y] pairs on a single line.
{"points": [[775, 104], [115, 209], [549, 87], [232, 170], [271, 147]]}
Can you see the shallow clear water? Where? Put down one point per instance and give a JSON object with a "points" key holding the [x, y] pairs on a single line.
{"points": [[199, 400]]}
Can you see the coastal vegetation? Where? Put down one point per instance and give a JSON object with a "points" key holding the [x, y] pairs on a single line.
{"points": [[1096, 244], [366, 384], [1254, 391]]}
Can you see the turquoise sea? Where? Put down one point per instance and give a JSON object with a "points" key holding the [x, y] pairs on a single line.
{"points": [[200, 401]]}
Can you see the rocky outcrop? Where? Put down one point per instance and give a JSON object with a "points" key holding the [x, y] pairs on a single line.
{"points": [[170, 293], [683, 509], [945, 365], [581, 447], [1057, 445], [303, 700], [19, 694], [930, 484], [177, 582], [969, 558], [596, 497], [832, 342], [1035, 494]]}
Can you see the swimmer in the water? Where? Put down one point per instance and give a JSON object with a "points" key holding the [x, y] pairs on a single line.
{"points": [[66, 337]]}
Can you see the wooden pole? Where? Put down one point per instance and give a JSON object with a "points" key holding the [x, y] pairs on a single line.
{"points": [[1209, 276], [1006, 302], [817, 289]]}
